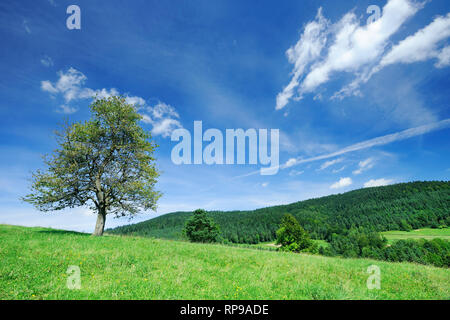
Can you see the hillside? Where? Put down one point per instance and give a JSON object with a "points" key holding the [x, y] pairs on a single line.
{"points": [[34, 262], [403, 206]]}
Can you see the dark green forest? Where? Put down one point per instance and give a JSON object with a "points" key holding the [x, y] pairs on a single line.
{"points": [[402, 206]]}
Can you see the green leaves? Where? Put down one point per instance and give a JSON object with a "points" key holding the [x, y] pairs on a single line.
{"points": [[291, 236], [106, 163], [201, 228]]}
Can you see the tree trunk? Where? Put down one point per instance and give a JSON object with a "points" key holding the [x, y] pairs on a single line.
{"points": [[100, 225]]}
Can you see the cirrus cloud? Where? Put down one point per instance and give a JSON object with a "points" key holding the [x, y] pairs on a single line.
{"points": [[364, 165], [329, 163]]}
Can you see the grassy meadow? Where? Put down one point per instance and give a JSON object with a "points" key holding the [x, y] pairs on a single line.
{"points": [[34, 263], [271, 245], [424, 233]]}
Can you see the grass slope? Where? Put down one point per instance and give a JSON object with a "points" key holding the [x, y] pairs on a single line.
{"points": [[33, 264]]}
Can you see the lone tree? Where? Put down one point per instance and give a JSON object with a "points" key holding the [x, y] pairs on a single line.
{"points": [[105, 163], [291, 236], [201, 228]]}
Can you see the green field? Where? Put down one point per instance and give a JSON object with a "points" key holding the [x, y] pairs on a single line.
{"points": [[34, 263], [425, 233], [272, 246]]}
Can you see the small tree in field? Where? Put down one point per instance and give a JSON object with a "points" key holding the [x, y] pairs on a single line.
{"points": [[201, 228], [105, 163], [291, 236]]}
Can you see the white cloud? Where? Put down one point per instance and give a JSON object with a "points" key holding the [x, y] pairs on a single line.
{"points": [[66, 109], [165, 127], [354, 48], [338, 170], [291, 162], [136, 101], [161, 110], [378, 183], [357, 46], [364, 165], [47, 86], [71, 86], [264, 184], [330, 163], [294, 173], [443, 58], [421, 46], [305, 51], [163, 117], [343, 182], [47, 61]]}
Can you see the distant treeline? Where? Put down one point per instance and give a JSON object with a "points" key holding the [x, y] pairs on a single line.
{"points": [[360, 244], [403, 206]]}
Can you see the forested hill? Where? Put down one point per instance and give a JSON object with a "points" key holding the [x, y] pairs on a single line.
{"points": [[396, 207]]}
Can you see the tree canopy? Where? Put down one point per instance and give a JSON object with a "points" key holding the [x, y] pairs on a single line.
{"points": [[201, 228], [105, 163], [291, 236]]}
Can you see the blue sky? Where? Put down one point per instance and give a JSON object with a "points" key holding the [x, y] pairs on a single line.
{"points": [[356, 104]]}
